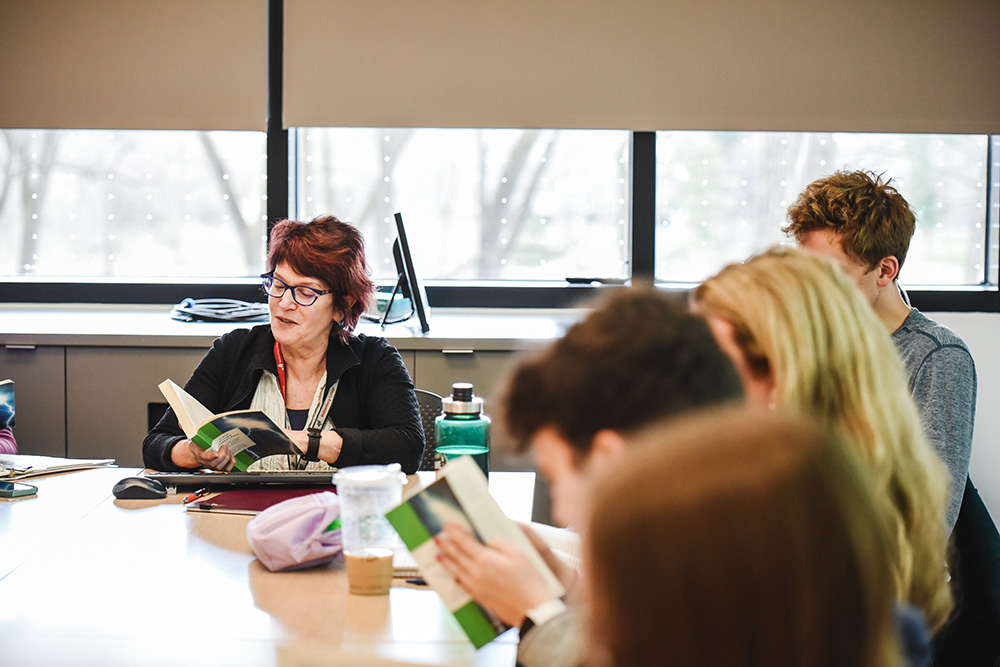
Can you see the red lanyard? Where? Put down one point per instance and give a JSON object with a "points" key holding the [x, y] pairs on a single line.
{"points": [[324, 409], [280, 360]]}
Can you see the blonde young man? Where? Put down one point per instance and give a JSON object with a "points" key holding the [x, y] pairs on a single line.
{"points": [[862, 222]]}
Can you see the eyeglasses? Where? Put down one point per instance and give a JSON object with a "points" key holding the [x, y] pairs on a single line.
{"points": [[304, 296]]}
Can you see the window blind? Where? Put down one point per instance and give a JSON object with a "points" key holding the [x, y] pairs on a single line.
{"points": [[170, 64], [854, 65]]}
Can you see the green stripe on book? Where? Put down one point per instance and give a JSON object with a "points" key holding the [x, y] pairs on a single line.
{"points": [[476, 624], [206, 435], [409, 526], [243, 460]]}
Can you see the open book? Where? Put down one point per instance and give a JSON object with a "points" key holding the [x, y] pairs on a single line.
{"points": [[461, 495], [249, 434]]}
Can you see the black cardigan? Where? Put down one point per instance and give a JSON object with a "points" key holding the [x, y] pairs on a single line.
{"points": [[375, 410]]}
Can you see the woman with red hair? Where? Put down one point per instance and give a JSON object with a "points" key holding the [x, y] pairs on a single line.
{"points": [[343, 398]]}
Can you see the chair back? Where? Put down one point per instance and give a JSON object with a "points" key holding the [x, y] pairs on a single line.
{"points": [[972, 635], [430, 408]]}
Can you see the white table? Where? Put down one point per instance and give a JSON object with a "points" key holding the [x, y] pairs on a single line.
{"points": [[89, 580]]}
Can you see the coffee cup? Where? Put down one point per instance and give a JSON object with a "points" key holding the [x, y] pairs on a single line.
{"points": [[366, 493]]}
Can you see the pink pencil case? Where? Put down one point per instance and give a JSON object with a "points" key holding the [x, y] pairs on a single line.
{"points": [[298, 532]]}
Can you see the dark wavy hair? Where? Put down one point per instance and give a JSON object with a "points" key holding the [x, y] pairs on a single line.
{"points": [[639, 355], [333, 252]]}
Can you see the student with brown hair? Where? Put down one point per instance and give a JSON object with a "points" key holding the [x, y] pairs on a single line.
{"points": [[803, 338], [637, 357], [862, 221], [736, 538]]}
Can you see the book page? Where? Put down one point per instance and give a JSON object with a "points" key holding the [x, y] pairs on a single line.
{"points": [[470, 487], [235, 439], [564, 542], [189, 411]]}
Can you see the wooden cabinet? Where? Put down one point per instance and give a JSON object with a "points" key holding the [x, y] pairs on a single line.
{"points": [[437, 370], [39, 375], [109, 391]]}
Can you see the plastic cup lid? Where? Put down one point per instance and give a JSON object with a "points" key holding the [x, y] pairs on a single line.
{"points": [[374, 475]]}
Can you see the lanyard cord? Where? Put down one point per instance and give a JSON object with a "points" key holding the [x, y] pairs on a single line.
{"points": [[324, 410]]}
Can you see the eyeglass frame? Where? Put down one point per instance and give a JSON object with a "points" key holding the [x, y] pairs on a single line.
{"points": [[292, 288]]}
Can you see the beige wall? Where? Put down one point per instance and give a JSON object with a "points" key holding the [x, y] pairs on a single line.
{"points": [[123, 64]]}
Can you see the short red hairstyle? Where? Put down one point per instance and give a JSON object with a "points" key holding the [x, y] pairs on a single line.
{"points": [[331, 251]]}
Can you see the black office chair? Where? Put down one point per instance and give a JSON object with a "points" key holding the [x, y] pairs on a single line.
{"points": [[430, 408], [972, 636]]}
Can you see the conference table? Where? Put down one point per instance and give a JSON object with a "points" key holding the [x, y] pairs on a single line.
{"points": [[87, 579]]}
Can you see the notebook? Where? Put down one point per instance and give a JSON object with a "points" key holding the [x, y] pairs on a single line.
{"points": [[248, 501]]}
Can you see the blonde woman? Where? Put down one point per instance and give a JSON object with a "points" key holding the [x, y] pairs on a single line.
{"points": [[739, 537], [802, 336]]}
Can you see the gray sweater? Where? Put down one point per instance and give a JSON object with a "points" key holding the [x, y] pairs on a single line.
{"points": [[942, 378]]}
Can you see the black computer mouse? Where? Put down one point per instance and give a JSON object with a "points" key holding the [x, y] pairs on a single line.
{"points": [[139, 488]]}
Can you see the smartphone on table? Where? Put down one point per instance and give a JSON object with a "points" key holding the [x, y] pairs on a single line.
{"points": [[16, 490]]}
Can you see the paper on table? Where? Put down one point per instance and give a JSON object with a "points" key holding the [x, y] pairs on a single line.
{"points": [[21, 466]]}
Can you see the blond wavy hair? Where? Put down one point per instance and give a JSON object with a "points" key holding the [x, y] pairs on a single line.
{"points": [[797, 317]]}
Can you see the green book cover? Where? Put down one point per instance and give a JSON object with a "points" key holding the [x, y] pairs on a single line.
{"points": [[460, 495], [249, 434]]}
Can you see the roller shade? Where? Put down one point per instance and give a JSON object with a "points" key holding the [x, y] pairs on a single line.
{"points": [[895, 65], [169, 64]]}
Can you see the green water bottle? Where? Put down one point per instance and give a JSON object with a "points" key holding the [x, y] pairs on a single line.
{"points": [[462, 429]]}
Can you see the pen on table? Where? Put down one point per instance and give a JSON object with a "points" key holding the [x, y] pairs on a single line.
{"points": [[197, 494]]}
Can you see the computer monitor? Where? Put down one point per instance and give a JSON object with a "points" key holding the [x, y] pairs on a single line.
{"points": [[406, 282]]}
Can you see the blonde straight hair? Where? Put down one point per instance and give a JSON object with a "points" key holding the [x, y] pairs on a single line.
{"points": [[797, 316]]}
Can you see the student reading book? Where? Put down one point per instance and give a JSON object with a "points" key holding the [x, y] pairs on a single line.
{"points": [[249, 434], [461, 496]]}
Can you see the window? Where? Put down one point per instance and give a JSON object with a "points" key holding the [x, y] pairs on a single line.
{"points": [[173, 205], [478, 204], [496, 217], [722, 196]]}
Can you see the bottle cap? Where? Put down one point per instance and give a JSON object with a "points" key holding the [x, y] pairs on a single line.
{"points": [[462, 400]]}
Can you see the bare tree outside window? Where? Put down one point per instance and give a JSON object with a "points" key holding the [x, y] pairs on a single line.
{"points": [[82, 204], [478, 204], [722, 196]]}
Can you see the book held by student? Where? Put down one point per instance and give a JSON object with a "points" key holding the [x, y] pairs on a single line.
{"points": [[249, 434], [461, 496]]}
